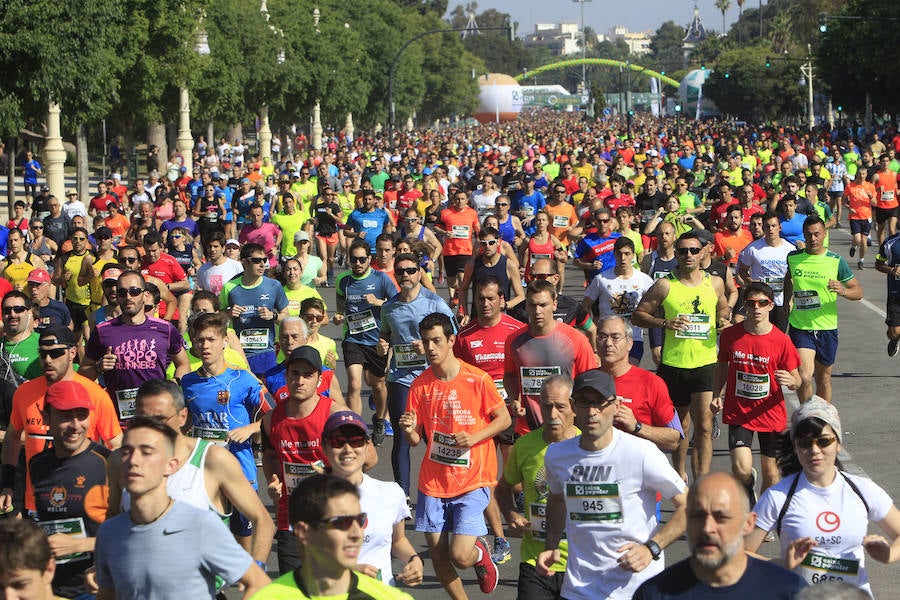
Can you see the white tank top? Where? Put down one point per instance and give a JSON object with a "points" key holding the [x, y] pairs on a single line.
{"points": [[187, 483]]}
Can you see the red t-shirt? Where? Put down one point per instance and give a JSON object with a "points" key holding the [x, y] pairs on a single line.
{"points": [[167, 270], [647, 396], [755, 209], [460, 226], [753, 398], [717, 213], [613, 203], [485, 347]]}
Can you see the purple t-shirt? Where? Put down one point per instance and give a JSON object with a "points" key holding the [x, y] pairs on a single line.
{"points": [[188, 224], [142, 353]]}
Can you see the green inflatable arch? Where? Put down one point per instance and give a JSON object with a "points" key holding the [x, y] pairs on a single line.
{"points": [[608, 62]]}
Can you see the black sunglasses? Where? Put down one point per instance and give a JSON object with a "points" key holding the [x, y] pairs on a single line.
{"points": [[692, 250], [406, 270], [132, 291], [822, 441], [57, 352], [14, 309], [359, 259], [312, 317], [257, 260], [344, 522]]}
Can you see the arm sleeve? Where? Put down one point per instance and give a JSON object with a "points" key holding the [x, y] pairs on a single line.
{"points": [[844, 273], [221, 553]]}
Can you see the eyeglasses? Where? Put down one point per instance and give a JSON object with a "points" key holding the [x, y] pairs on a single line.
{"points": [[822, 441], [130, 259], [607, 220], [761, 303], [177, 236], [488, 242], [615, 338], [359, 259], [79, 239], [355, 441], [57, 352], [502, 204], [406, 270], [132, 291], [691, 250], [257, 260], [344, 522], [585, 403], [37, 226], [14, 309], [312, 317]]}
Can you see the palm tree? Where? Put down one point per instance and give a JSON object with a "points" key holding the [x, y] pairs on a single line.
{"points": [[740, 4], [723, 6]]}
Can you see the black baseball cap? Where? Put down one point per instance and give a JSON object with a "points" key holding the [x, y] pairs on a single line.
{"points": [[597, 380], [57, 335], [307, 353]]}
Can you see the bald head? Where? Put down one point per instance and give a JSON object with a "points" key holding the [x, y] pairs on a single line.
{"points": [[718, 518]]}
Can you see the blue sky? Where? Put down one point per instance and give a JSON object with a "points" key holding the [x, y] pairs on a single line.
{"points": [[604, 14]]}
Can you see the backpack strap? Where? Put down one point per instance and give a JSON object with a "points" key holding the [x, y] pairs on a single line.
{"points": [[787, 502]]}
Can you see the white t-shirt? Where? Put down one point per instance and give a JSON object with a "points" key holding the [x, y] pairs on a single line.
{"points": [[768, 264], [385, 505], [610, 501], [834, 516], [212, 277], [619, 296], [484, 202]]}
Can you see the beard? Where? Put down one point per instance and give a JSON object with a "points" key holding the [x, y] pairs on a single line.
{"points": [[726, 553]]}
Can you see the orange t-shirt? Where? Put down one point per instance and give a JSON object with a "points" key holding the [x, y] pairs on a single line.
{"points": [[562, 217], [444, 408], [887, 189], [737, 242], [28, 406], [460, 226], [859, 197]]}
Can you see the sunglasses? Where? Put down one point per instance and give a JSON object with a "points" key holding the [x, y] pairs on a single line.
{"points": [[822, 442], [79, 239], [132, 291], [359, 259], [177, 236], [585, 403], [57, 352], [758, 303], [257, 260], [14, 309], [344, 522], [406, 270], [488, 242], [692, 250], [130, 259], [355, 441], [604, 220], [312, 317], [37, 226], [502, 204], [541, 276]]}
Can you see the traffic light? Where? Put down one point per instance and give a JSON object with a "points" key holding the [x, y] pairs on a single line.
{"points": [[663, 73], [678, 108], [630, 113], [768, 63], [702, 67], [727, 75], [823, 22], [840, 108]]}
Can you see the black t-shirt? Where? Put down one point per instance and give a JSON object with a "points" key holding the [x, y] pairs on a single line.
{"points": [[762, 579], [325, 223]]}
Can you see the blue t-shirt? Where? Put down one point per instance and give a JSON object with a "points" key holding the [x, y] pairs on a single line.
{"points": [[31, 169], [370, 222], [226, 194], [188, 223], [889, 253], [792, 230], [257, 335], [531, 204], [217, 404], [55, 313], [361, 319], [593, 247], [761, 579], [275, 379], [400, 325], [177, 556]]}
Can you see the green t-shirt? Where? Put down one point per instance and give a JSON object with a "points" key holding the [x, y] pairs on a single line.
{"points": [[815, 306], [362, 587], [23, 356], [694, 346], [825, 212], [525, 465], [289, 225]]}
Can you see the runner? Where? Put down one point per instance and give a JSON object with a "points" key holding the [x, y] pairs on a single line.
{"points": [[765, 261], [695, 308], [459, 225], [860, 198], [658, 264], [456, 408], [887, 262], [490, 262], [814, 280], [604, 500]]}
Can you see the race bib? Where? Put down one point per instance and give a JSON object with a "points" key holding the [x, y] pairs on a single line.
{"points": [[594, 502], [818, 568], [255, 339], [459, 232], [698, 327], [751, 386], [776, 283], [216, 435], [125, 403], [887, 196], [369, 224], [294, 473], [560, 221], [660, 274], [647, 215], [807, 300], [445, 451], [498, 383], [73, 527], [361, 322], [532, 378], [407, 357]]}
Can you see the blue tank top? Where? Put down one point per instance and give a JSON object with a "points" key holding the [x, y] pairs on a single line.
{"points": [[507, 231], [499, 271]]}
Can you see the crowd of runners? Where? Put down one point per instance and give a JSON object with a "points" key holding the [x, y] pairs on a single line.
{"points": [[163, 363]]}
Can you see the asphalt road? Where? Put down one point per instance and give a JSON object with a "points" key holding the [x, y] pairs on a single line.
{"points": [[865, 381]]}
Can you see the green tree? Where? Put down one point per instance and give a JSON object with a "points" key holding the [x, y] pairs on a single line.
{"points": [[666, 53], [723, 6]]}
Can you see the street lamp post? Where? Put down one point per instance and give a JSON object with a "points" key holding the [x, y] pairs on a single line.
{"points": [[184, 143], [316, 129], [583, 47]]}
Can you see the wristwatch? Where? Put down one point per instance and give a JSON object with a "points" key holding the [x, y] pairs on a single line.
{"points": [[655, 550], [637, 427]]}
